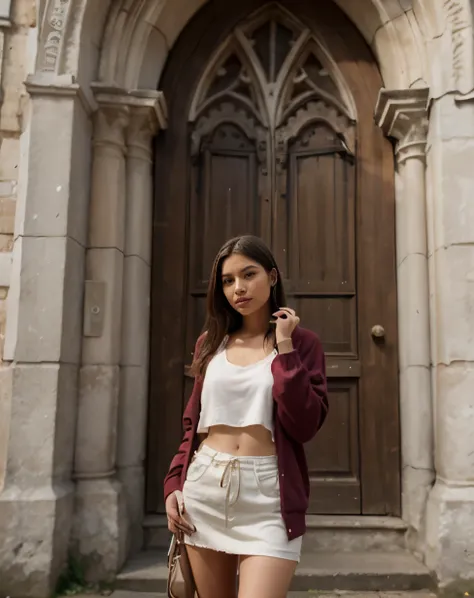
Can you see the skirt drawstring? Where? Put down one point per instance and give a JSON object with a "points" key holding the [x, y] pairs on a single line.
{"points": [[231, 471]]}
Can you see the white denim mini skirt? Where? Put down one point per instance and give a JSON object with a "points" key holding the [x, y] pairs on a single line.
{"points": [[234, 504]]}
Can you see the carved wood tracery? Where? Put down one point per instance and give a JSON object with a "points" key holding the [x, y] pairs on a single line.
{"points": [[271, 78]]}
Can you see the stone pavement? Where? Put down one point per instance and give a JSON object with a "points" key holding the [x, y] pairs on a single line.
{"points": [[311, 594]]}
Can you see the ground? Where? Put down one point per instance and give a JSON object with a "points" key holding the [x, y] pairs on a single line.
{"points": [[120, 594]]}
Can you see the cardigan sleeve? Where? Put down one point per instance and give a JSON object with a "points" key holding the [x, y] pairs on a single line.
{"points": [[172, 480], [300, 389]]}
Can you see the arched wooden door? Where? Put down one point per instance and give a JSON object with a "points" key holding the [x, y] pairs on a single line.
{"points": [[271, 132]]}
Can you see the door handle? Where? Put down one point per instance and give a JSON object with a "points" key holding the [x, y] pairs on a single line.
{"points": [[378, 331]]}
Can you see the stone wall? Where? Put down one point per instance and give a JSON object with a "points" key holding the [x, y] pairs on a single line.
{"points": [[18, 35]]}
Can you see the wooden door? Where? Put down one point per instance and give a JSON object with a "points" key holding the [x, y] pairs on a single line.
{"points": [[271, 133]]}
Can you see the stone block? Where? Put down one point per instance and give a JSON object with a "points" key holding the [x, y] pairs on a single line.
{"points": [[50, 152], [80, 179], [42, 424], [454, 422], [450, 164], [413, 310], [96, 438], [399, 69], [416, 486], [6, 243], [416, 417], [7, 215], [454, 277], [45, 324], [100, 529], [450, 119], [153, 61], [136, 312], [39, 274], [439, 49], [107, 205], [58, 168], [132, 416], [450, 533], [5, 269], [35, 529], [9, 158], [71, 342], [138, 234], [15, 62], [106, 265], [133, 483], [5, 410]]}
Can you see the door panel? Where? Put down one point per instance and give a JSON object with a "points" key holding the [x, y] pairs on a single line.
{"points": [[271, 132]]}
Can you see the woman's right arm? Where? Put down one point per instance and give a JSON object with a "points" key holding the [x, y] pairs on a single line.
{"points": [[173, 478]]}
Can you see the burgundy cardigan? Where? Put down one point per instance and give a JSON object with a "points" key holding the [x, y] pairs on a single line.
{"points": [[300, 408]]}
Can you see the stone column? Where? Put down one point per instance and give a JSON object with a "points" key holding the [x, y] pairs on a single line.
{"points": [[38, 392], [147, 116], [100, 524], [450, 515], [402, 115]]}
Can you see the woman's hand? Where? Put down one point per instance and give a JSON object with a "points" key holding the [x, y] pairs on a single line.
{"points": [[175, 512], [286, 322]]}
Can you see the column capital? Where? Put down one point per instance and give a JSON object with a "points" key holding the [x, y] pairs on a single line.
{"points": [[403, 115], [145, 109]]}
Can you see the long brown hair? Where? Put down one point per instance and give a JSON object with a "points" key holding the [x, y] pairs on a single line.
{"points": [[222, 319]]}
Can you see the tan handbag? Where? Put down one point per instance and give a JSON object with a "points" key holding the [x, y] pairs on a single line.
{"points": [[180, 576]]}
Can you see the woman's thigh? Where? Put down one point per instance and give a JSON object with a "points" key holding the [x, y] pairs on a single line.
{"points": [[215, 573], [265, 577]]}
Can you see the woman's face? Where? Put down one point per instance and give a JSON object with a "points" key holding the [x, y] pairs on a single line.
{"points": [[246, 284]]}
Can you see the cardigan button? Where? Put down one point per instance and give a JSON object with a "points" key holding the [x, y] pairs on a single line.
{"points": [[289, 531], [282, 475]]}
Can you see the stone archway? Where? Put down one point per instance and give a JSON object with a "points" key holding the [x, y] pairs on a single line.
{"points": [[61, 245]]}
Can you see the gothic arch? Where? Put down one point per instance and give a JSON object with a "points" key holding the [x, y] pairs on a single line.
{"points": [[126, 42]]}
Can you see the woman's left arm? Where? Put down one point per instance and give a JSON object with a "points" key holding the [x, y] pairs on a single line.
{"points": [[300, 389]]}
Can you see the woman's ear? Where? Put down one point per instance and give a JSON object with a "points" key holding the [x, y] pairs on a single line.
{"points": [[273, 277]]}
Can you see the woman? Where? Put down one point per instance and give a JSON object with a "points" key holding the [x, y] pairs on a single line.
{"points": [[259, 394]]}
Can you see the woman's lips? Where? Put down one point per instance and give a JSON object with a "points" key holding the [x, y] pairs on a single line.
{"points": [[242, 301]]}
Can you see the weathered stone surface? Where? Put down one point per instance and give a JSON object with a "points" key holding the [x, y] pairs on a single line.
{"points": [[136, 312], [47, 205], [450, 533], [100, 529], [96, 437], [454, 272], [7, 215], [42, 423], [454, 426], [133, 403], [5, 410], [106, 265], [49, 313], [133, 406], [35, 526]]}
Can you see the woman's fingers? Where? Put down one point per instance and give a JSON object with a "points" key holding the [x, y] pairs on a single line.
{"points": [[176, 523]]}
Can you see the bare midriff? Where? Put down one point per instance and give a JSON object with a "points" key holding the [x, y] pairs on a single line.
{"points": [[251, 441]]}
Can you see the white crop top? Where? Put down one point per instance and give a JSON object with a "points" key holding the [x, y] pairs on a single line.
{"points": [[237, 396]]}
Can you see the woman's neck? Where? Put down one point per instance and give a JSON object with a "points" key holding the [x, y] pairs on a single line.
{"points": [[257, 323]]}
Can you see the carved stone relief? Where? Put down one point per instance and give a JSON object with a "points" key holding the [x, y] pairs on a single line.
{"points": [[459, 16], [53, 29]]}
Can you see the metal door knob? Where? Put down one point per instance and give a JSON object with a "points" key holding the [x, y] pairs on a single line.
{"points": [[378, 331]]}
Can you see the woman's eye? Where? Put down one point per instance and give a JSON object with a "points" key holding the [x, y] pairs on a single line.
{"points": [[249, 274], [227, 281]]}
